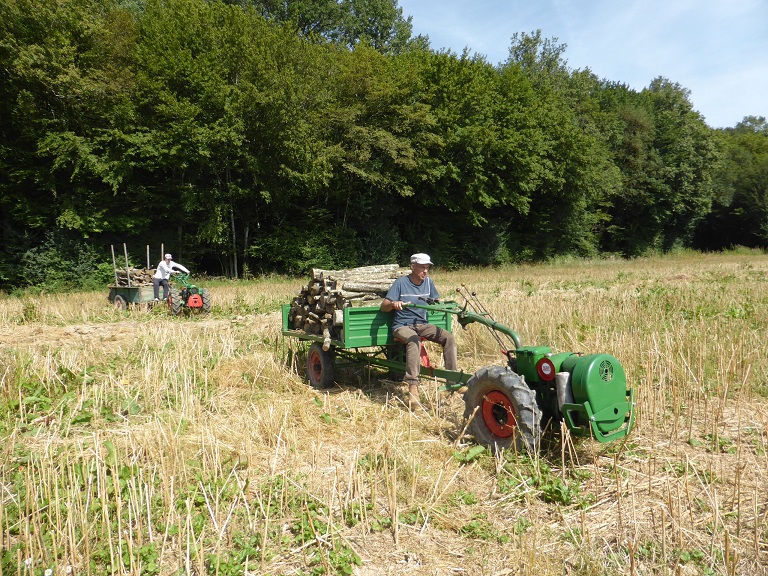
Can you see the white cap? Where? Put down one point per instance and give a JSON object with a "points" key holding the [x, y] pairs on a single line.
{"points": [[168, 257], [421, 258]]}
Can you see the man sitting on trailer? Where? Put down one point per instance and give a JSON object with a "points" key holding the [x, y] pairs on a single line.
{"points": [[410, 324], [163, 272]]}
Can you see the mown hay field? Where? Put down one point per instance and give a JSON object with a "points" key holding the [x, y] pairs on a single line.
{"points": [[140, 443]]}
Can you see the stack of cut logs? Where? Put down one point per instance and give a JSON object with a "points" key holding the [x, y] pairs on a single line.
{"points": [[139, 276], [318, 309]]}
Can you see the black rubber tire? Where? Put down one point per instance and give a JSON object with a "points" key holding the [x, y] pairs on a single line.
{"points": [[120, 303], [498, 394], [319, 366], [174, 301], [206, 296]]}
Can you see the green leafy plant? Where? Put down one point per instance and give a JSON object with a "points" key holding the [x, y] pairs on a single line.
{"points": [[480, 529], [470, 455]]}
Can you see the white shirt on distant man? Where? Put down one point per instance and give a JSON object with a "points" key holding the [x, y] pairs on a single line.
{"points": [[163, 272], [165, 268]]}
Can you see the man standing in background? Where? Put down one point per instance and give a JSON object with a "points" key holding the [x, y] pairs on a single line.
{"points": [[163, 273]]}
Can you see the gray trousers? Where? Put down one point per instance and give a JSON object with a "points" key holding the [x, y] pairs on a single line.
{"points": [[156, 283], [412, 336]]}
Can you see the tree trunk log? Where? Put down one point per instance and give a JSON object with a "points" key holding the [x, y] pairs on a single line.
{"points": [[379, 269], [376, 287]]}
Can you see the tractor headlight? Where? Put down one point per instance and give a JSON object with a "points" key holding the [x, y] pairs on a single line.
{"points": [[546, 369]]}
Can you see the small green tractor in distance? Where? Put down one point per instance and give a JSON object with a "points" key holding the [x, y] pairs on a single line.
{"points": [[506, 406], [187, 296]]}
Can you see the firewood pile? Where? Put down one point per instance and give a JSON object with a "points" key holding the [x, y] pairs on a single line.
{"points": [[318, 309], [139, 276]]}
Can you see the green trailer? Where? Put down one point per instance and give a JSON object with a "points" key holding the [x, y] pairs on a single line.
{"points": [[123, 297], [505, 405], [134, 291], [366, 339]]}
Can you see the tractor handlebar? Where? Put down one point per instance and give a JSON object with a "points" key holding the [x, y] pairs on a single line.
{"points": [[466, 317], [183, 278]]}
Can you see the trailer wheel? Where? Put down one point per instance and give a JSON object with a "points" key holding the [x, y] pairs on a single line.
{"points": [[174, 301], [505, 411], [120, 303], [206, 300], [319, 366]]}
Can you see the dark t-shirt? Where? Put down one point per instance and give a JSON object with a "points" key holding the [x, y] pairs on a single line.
{"points": [[405, 290]]}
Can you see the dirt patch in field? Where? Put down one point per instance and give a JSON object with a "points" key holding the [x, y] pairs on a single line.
{"points": [[116, 334], [33, 336]]}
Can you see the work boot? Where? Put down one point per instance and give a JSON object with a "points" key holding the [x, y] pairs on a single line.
{"points": [[413, 396]]}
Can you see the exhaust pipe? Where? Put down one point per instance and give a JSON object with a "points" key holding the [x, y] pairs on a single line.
{"points": [[564, 389]]}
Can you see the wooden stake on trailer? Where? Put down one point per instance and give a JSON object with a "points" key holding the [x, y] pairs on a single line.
{"points": [[127, 268], [114, 263]]}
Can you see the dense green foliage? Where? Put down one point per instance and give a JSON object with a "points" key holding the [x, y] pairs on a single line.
{"points": [[273, 136]]}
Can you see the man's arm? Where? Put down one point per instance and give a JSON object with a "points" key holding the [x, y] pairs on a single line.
{"points": [[388, 305], [392, 299]]}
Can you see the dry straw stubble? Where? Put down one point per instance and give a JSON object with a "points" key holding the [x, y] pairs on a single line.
{"points": [[161, 444]]}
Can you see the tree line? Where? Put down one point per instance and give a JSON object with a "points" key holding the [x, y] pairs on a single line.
{"points": [[258, 136]]}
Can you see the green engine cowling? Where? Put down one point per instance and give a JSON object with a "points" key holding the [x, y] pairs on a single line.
{"points": [[594, 399]]}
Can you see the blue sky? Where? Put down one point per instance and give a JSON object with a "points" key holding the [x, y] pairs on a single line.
{"points": [[717, 49]]}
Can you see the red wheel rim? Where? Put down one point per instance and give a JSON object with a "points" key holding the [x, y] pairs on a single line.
{"points": [[499, 414], [315, 366]]}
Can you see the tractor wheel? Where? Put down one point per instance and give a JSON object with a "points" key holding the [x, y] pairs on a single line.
{"points": [[206, 300], [174, 301], [120, 303], [319, 366], [505, 411]]}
